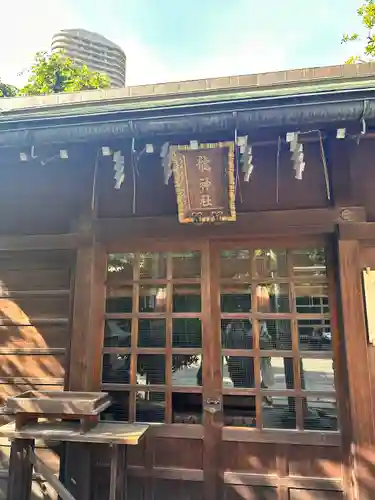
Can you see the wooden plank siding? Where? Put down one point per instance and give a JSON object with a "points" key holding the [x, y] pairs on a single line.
{"points": [[35, 322]]}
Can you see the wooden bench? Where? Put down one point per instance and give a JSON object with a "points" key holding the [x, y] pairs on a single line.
{"points": [[23, 459]]}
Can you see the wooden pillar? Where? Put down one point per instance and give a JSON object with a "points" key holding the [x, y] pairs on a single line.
{"points": [[353, 328], [212, 381], [118, 474], [20, 470], [88, 319], [85, 354]]}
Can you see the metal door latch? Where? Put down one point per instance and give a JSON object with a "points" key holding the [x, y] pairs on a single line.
{"points": [[212, 405]]}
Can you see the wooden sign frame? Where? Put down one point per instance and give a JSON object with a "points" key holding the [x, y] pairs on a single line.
{"points": [[368, 284], [181, 186]]}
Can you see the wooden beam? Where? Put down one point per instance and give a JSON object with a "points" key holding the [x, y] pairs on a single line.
{"points": [[103, 433], [274, 223], [357, 231], [42, 242]]}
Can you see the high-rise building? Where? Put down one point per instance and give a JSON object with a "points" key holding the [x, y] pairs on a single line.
{"points": [[94, 50]]}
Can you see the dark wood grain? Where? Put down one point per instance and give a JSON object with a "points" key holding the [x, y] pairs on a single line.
{"points": [[357, 365], [20, 470], [118, 473]]}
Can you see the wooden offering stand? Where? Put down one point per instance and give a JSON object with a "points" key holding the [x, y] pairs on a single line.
{"points": [[71, 417], [84, 407]]}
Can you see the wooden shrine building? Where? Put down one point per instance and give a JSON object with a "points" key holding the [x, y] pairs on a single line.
{"points": [[202, 251]]}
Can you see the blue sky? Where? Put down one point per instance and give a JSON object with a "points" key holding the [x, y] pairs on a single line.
{"points": [[185, 39]]}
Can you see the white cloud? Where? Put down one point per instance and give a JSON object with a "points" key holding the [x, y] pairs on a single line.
{"points": [[26, 27], [248, 56], [142, 64], [29, 27]]}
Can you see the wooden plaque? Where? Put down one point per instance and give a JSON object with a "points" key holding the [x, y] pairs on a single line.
{"points": [[204, 182]]}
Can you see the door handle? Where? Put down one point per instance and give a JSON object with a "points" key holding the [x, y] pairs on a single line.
{"points": [[212, 405], [211, 409]]}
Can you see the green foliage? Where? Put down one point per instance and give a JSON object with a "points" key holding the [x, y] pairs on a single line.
{"points": [[366, 12], [54, 73], [7, 90]]}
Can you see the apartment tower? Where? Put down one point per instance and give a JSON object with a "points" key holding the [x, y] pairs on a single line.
{"points": [[94, 50]]}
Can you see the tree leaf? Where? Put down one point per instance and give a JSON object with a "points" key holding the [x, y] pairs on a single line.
{"points": [[56, 72]]}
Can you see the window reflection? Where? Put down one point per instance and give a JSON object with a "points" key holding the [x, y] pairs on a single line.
{"points": [[117, 333], [119, 409], [235, 298], [320, 414], [116, 369], [186, 298], [186, 408], [186, 333], [151, 333], [238, 371], [119, 300], [270, 263], [187, 370], [152, 265], [152, 298], [120, 267], [309, 262], [311, 298], [281, 414], [280, 295], [314, 335], [239, 411], [236, 264], [149, 406], [186, 265], [150, 369], [277, 373], [318, 375]]}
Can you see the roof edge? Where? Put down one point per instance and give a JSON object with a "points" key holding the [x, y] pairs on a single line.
{"points": [[270, 84]]}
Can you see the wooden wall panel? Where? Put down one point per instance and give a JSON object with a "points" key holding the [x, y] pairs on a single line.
{"points": [[42, 199], [11, 390], [35, 310], [183, 490], [177, 453], [363, 178], [255, 458], [242, 492], [50, 368], [315, 461], [153, 198], [136, 454], [32, 337], [299, 494], [27, 309]]}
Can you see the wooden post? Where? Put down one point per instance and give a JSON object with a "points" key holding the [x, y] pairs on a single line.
{"points": [[88, 319], [20, 470], [353, 328], [118, 474], [85, 354], [87, 332], [212, 391], [77, 471]]}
